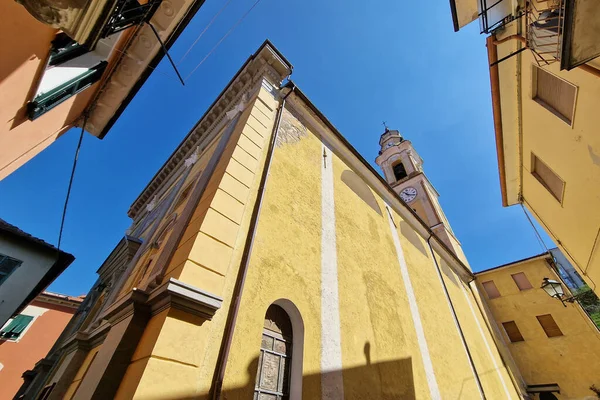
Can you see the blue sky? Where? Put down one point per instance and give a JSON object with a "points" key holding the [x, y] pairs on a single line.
{"points": [[359, 62]]}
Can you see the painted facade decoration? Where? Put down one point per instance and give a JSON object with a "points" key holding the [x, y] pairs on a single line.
{"points": [[275, 262]]}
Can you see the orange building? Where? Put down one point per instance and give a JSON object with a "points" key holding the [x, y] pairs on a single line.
{"points": [[28, 336], [66, 62]]}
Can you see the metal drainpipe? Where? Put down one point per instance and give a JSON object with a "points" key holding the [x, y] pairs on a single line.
{"points": [[217, 383], [520, 386], [460, 331]]}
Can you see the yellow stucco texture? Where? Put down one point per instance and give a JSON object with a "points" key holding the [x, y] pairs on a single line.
{"points": [[380, 353], [491, 375], [572, 152], [448, 356], [81, 373], [285, 263], [571, 360], [181, 349]]}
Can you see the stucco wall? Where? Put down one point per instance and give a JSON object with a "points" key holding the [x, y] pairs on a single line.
{"points": [[25, 46], [572, 152], [21, 355], [379, 350], [571, 360], [176, 356], [24, 278], [323, 237]]}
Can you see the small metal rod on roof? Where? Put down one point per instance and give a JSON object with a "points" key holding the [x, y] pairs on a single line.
{"points": [[166, 52]]}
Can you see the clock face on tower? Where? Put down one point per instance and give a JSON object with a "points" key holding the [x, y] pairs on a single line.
{"points": [[408, 194]]}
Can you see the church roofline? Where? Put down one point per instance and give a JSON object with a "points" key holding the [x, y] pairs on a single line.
{"points": [[273, 57], [372, 170]]}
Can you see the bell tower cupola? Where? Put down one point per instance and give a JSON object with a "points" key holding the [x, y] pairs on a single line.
{"points": [[403, 170], [397, 157]]}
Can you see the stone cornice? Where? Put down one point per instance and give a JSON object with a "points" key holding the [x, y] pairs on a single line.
{"points": [[86, 340], [181, 296], [267, 64]]}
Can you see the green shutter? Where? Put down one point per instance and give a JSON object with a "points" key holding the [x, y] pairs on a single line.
{"points": [[47, 101], [15, 327]]}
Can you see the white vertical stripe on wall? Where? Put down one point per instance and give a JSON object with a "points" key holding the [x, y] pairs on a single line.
{"points": [[487, 346], [332, 385], [434, 391]]}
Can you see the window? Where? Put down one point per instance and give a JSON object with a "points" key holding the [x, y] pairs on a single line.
{"points": [[491, 289], [71, 69], [64, 49], [7, 266], [554, 94], [14, 328], [399, 171], [547, 177], [521, 281], [512, 331], [274, 362], [549, 325]]}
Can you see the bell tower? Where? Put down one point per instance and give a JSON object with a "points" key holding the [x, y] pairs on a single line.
{"points": [[403, 170]]}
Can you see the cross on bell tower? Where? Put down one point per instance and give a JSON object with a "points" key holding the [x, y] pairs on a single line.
{"points": [[403, 170]]}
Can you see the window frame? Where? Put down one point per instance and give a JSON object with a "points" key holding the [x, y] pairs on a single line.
{"points": [[526, 279], [539, 178], [544, 328], [30, 321], [543, 103], [518, 331], [4, 257], [486, 291]]}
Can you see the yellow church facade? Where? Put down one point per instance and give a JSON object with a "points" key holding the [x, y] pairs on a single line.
{"points": [[278, 264]]}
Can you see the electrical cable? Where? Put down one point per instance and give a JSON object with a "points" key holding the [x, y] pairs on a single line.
{"points": [[239, 21], [64, 212], [204, 31], [537, 234]]}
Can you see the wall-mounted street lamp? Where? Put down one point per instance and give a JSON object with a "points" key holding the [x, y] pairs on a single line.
{"points": [[555, 289]]}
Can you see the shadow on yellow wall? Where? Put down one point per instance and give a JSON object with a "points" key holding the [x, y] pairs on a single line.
{"points": [[379, 380]]}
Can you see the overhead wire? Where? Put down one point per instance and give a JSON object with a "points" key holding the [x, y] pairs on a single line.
{"points": [[537, 234], [204, 31], [75, 158], [239, 21]]}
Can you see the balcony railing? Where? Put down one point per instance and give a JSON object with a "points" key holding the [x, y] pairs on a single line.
{"points": [[128, 13], [545, 25]]}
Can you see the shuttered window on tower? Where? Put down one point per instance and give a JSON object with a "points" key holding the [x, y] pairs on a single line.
{"points": [[549, 325], [555, 94], [551, 181], [512, 331]]}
